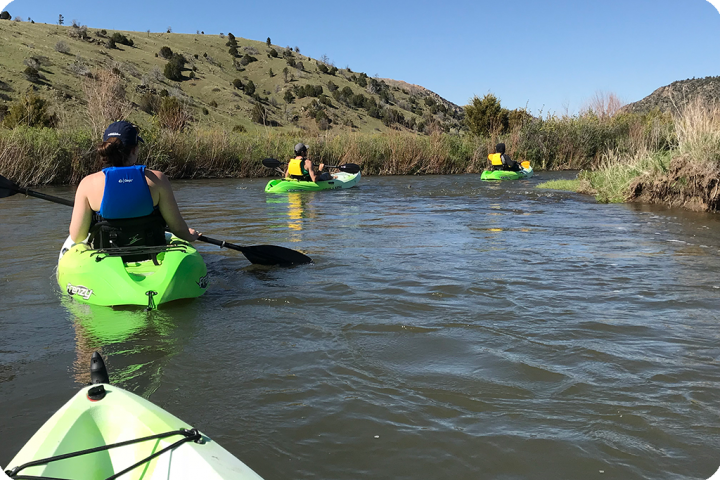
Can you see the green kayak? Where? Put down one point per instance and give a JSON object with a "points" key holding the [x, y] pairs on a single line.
{"points": [[343, 180], [506, 174], [105, 277], [156, 444]]}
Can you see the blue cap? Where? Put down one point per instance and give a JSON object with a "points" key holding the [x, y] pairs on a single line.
{"points": [[125, 131]]}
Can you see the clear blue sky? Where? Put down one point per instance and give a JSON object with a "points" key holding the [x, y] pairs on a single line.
{"points": [[551, 55]]}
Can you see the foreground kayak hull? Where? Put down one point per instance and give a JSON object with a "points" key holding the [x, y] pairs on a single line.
{"points": [[506, 175], [122, 416], [89, 276], [343, 180]]}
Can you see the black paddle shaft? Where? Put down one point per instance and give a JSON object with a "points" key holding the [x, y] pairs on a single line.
{"points": [[8, 189], [259, 254]]}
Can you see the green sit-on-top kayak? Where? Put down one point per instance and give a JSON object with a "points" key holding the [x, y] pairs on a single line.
{"points": [[105, 277], [87, 429], [343, 180], [506, 174]]}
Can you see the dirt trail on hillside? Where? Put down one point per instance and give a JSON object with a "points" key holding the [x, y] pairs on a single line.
{"points": [[687, 184]]}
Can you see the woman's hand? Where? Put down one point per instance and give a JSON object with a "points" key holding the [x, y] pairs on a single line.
{"points": [[194, 234]]}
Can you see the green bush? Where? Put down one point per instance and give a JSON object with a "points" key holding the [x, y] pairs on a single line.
{"points": [[213, 104], [258, 114], [31, 74], [173, 71], [31, 111], [484, 116], [149, 103], [166, 53], [122, 39], [239, 129], [273, 53], [288, 97], [250, 88], [237, 83], [247, 59]]}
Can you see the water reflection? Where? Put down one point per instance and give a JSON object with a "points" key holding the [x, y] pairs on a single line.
{"points": [[299, 210], [135, 344]]}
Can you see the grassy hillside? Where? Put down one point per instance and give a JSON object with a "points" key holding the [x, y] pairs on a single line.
{"points": [[67, 57]]}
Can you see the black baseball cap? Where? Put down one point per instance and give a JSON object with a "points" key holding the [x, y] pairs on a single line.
{"points": [[125, 131]]}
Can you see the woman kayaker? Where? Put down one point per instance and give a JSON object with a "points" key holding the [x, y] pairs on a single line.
{"points": [[301, 168], [125, 204], [506, 162]]}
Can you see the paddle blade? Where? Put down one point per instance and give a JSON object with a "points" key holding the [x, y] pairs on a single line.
{"points": [[7, 188], [263, 254], [274, 255], [271, 163], [349, 168]]}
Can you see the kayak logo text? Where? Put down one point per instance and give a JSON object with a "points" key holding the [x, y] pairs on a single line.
{"points": [[202, 283], [79, 290]]}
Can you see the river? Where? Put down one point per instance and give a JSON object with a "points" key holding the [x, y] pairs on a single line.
{"points": [[448, 328]]}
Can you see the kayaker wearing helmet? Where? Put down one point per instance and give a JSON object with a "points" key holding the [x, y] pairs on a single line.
{"points": [[301, 168], [501, 161], [125, 204]]}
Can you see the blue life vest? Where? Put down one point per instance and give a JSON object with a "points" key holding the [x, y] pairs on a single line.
{"points": [[126, 194], [127, 217]]}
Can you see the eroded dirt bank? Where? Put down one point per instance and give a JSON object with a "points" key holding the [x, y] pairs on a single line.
{"points": [[686, 184]]}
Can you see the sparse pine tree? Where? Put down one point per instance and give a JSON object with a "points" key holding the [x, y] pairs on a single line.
{"points": [[61, 19], [288, 97], [5, 15], [271, 73], [268, 42]]}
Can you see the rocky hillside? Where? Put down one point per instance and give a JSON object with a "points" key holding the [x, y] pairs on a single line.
{"points": [[674, 97]]}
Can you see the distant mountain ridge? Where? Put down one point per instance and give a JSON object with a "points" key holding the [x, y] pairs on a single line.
{"points": [[674, 97]]}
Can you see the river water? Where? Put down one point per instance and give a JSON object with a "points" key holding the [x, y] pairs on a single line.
{"points": [[449, 328]]}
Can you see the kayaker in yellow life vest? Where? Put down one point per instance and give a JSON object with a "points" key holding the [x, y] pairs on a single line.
{"points": [[301, 168], [501, 161]]}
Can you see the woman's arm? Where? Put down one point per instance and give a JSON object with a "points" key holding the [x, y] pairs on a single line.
{"points": [[169, 208], [309, 167], [82, 213]]}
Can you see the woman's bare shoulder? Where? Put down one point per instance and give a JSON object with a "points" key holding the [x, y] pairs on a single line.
{"points": [[93, 179]]}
